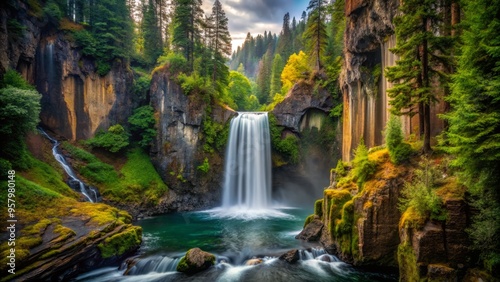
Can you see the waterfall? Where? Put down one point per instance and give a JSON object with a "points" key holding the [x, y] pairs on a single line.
{"points": [[90, 193], [247, 176]]}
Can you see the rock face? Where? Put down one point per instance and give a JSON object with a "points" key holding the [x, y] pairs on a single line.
{"points": [[195, 261], [76, 101], [362, 227], [312, 231], [368, 37], [304, 114], [440, 248], [178, 148], [60, 256], [291, 256], [295, 112]]}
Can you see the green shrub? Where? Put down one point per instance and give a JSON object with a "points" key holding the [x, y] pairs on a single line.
{"points": [[52, 11], [288, 147], [215, 135], [399, 151], [420, 194], [142, 124], [114, 140], [175, 62], [205, 167], [362, 167]]}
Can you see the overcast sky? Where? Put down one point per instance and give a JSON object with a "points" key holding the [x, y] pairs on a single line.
{"points": [[256, 16]]}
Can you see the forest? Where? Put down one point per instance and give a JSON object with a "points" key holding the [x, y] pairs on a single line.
{"points": [[448, 53]]}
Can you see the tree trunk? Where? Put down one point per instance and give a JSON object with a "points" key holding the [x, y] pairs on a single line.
{"points": [[427, 99]]}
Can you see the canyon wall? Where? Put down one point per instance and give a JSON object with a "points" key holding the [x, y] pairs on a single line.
{"points": [[304, 113], [368, 37], [76, 101], [178, 149]]}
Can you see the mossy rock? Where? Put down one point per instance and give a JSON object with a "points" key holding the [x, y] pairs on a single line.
{"points": [[125, 241], [195, 261], [318, 208]]}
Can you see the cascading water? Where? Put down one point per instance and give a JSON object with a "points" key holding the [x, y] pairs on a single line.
{"points": [[247, 176], [90, 193]]}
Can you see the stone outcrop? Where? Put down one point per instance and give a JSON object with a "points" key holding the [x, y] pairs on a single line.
{"points": [[304, 113], [301, 108], [291, 256], [368, 37], [76, 101], [75, 245], [362, 227], [178, 150], [440, 248], [312, 231], [195, 261]]}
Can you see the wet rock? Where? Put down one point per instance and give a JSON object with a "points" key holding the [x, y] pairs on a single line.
{"points": [[290, 256], [325, 258], [439, 272], [254, 261], [312, 231], [195, 261], [298, 101], [177, 150]]}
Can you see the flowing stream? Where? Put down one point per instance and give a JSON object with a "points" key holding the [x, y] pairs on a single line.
{"points": [[90, 193], [247, 233]]}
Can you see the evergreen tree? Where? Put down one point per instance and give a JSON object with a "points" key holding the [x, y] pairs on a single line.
{"points": [[276, 70], [315, 33], [285, 44], [151, 33], [421, 55], [264, 77], [221, 42], [474, 123], [188, 23]]}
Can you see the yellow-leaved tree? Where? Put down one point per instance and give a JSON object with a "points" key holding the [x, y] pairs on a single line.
{"points": [[295, 69]]}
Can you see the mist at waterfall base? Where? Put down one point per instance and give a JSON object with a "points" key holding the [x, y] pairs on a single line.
{"points": [[247, 226]]}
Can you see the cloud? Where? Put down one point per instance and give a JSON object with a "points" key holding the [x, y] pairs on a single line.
{"points": [[256, 16]]}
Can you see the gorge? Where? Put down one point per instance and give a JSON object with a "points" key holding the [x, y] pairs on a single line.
{"points": [[161, 156]]}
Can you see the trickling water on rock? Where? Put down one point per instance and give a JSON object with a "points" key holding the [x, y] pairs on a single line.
{"points": [[90, 193]]}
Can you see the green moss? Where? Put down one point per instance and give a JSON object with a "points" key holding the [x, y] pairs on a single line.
{"points": [[122, 242], [308, 220], [407, 262], [318, 208], [137, 182], [182, 266], [287, 147]]}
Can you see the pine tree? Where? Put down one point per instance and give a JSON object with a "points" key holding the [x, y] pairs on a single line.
{"points": [[188, 23], [151, 33], [221, 42], [285, 44], [474, 123], [421, 53], [315, 33], [276, 70]]}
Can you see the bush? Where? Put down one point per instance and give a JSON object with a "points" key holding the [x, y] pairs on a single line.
{"points": [[363, 168], [287, 147], [175, 62], [142, 123], [205, 167], [399, 151], [114, 140], [420, 194]]}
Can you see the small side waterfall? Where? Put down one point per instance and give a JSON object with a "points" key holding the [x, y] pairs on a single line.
{"points": [[90, 193], [247, 183]]}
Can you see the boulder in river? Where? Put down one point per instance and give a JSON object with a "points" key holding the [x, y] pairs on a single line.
{"points": [[290, 256], [253, 261], [312, 231], [195, 261]]}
